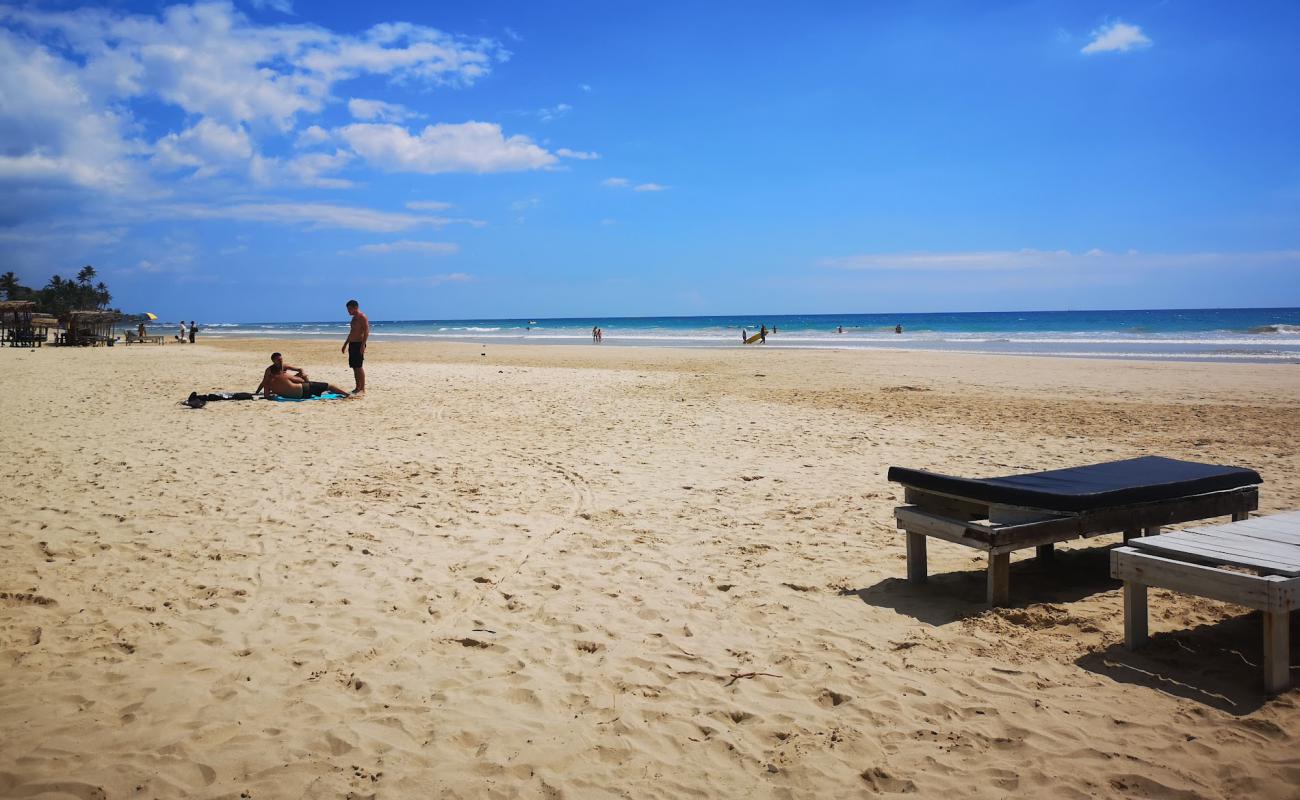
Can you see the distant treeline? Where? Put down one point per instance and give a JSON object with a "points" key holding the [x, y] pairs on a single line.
{"points": [[60, 295]]}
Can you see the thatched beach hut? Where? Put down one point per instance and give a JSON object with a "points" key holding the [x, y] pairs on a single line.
{"points": [[88, 328], [21, 325]]}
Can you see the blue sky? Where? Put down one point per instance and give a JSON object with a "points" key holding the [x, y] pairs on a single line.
{"points": [[268, 160]]}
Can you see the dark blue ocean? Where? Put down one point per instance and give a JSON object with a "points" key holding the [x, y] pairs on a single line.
{"points": [[1233, 334]]}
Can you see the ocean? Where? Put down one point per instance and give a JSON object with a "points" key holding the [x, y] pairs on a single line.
{"points": [[1223, 334]]}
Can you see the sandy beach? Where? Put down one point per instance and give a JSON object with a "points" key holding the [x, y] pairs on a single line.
{"points": [[603, 572]]}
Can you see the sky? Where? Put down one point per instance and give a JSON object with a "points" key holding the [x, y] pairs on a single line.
{"points": [[268, 160]]}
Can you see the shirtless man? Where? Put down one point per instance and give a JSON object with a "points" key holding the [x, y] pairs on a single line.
{"points": [[278, 361], [279, 382], [355, 344]]}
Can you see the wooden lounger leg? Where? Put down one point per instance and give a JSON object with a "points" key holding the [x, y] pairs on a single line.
{"points": [[916, 568], [1153, 530], [1045, 552], [999, 578], [1132, 533], [1135, 614], [1238, 516], [1277, 651]]}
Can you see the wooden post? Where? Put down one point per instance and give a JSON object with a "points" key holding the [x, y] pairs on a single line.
{"points": [[1045, 552], [916, 567], [1277, 651], [1132, 533], [1153, 530], [1238, 516], [1135, 614], [999, 578]]}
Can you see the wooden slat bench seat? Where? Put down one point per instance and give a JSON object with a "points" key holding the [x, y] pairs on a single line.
{"points": [[1002, 515], [1193, 561]]}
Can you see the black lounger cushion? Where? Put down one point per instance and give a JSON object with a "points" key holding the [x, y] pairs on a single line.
{"points": [[1115, 483]]}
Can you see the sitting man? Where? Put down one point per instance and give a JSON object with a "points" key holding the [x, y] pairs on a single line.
{"points": [[278, 381], [277, 363]]}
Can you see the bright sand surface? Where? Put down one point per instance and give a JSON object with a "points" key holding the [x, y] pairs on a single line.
{"points": [[602, 572]]}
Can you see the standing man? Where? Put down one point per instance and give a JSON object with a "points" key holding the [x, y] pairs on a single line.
{"points": [[194, 328], [356, 344]]}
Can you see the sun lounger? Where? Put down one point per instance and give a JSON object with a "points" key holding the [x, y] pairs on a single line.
{"points": [[1264, 557], [1001, 515]]}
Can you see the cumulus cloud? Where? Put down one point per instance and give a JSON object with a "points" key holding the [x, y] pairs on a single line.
{"points": [[465, 147], [615, 182], [69, 78], [1117, 37], [312, 136], [379, 110], [428, 205], [411, 246], [580, 155], [649, 187], [1030, 259]]}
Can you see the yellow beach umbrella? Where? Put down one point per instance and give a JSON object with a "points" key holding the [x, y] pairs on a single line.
{"points": [[151, 315]]}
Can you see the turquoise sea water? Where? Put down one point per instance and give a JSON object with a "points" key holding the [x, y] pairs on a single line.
{"points": [[1238, 334]]}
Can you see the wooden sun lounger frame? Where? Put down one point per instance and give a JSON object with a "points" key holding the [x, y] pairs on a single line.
{"points": [[1150, 562], [1001, 529]]}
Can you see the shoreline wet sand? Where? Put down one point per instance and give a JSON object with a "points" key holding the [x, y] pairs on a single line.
{"points": [[588, 572]]}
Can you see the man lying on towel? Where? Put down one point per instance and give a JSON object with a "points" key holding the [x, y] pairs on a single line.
{"points": [[279, 381]]}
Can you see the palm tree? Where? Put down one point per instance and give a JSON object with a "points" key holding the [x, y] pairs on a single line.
{"points": [[9, 285], [86, 274]]}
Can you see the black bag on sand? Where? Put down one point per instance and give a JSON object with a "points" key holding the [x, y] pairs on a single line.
{"points": [[194, 401]]}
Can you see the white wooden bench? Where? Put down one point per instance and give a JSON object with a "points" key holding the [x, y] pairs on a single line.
{"points": [[1254, 563]]}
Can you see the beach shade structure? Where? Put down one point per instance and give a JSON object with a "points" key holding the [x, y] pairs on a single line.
{"points": [[91, 328], [1253, 563], [152, 317], [21, 325], [1038, 509]]}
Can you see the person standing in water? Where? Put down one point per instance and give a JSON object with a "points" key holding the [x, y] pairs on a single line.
{"points": [[355, 344]]}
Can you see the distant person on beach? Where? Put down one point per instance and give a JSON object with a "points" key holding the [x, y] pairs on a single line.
{"points": [[898, 329], [600, 335], [744, 336], [762, 334], [355, 344], [194, 328], [595, 333], [180, 337], [280, 382], [277, 366], [140, 331]]}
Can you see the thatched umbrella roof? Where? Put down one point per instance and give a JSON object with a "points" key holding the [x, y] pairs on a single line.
{"points": [[17, 305]]}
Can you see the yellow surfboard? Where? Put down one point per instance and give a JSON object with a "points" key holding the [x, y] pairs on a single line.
{"points": [[754, 338]]}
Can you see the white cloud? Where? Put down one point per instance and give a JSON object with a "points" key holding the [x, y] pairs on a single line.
{"points": [[1117, 37], [1030, 259], [428, 205], [614, 182], [428, 281], [554, 112], [207, 148], [283, 6], [69, 79], [314, 215], [465, 147], [581, 155], [411, 246], [311, 136], [379, 110], [585, 87], [649, 187]]}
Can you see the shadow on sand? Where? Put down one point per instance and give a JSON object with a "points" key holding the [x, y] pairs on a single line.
{"points": [[1218, 664], [950, 596]]}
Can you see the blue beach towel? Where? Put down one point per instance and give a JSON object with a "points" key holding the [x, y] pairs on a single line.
{"points": [[326, 396]]}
